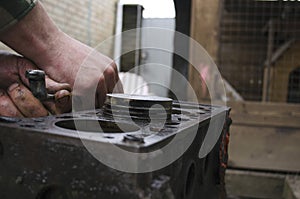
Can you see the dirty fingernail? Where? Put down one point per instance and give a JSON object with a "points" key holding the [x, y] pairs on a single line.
{"points": [[13, 86], [63, 100]]}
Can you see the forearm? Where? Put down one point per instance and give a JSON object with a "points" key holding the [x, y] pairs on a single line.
{"points": [[33, 35]]}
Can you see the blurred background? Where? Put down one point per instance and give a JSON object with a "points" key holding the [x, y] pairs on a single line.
{"points": [[255, 44]]}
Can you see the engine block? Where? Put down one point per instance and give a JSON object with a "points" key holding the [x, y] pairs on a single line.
{"points": [[45, 158]]}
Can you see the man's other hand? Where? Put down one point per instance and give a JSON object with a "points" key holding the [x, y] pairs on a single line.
{"points": [[16, 100]]}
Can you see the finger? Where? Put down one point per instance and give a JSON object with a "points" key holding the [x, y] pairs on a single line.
{"points": [[101, 92], [113, 83], [110, 79], [7, 107], [25, 101], [63, 101], [53, 86], [51, 107], [118, 88]]}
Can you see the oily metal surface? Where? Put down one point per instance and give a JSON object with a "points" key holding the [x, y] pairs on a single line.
{"points": [[138, 100], [44, 158], [138, 106]]}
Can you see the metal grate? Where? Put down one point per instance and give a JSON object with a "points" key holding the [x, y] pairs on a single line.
{"points": [[260, 48]]}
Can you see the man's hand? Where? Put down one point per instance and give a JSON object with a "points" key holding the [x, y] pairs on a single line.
{"points": [[15, 98], [74, 59], [37, 38]]}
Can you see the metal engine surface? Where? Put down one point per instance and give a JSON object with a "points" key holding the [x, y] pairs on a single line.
{"points": [[44, 158]]}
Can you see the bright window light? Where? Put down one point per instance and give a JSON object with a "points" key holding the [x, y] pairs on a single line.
{"points": [[155, 8]]}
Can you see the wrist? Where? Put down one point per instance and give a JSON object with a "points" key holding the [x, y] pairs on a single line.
{"points": [[32, 35]]}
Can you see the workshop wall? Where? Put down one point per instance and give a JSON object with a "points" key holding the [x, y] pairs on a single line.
{"points": [[258, 49], [254, 44], [89, 21]]}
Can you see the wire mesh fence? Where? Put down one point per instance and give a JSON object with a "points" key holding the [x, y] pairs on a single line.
{"points": [[259, 52]]}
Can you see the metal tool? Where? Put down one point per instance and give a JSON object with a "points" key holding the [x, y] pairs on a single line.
{"points": [[37, 84]]}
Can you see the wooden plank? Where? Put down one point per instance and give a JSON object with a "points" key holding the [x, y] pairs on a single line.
{"points": [[277, 108], [265, 136], [265, 114], [254, 185], [281, 50], [266, 120], [267, 148], [267, 74]]}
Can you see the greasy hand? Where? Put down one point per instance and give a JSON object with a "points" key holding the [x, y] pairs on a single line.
{"points": [[15, 98], [37, 38], [64, 60]]}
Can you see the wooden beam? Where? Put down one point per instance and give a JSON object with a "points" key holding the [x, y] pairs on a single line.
{"points": [[265, 136], [258, 114], [264, 148], [250, 184], [281, 50], [254, 184], [267, 76]]}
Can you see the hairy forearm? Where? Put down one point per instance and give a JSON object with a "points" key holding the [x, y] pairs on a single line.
{"points": [[37, 38], [33, 35]]}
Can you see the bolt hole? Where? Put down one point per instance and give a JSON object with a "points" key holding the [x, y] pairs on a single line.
{"points": [[65, 117], [108, 137], [183, 119], [173, 123], [27, 125], [39, 120], [171, 127], [86, 115]]}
